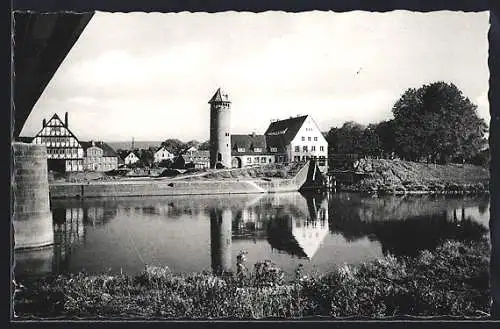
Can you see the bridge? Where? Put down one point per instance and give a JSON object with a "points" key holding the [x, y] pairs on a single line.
{"points": [[41, 42]]}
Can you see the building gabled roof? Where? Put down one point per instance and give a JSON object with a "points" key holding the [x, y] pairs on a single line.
{"points": [[286, 129], [56, 117], [107, 151], [248, 142], [219, 97]]}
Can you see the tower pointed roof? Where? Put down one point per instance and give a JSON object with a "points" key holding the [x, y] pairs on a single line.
{"points": [[219, 97]]}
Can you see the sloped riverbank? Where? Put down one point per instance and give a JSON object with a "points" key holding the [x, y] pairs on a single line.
{"points": [[384, 176], [453, 280]]}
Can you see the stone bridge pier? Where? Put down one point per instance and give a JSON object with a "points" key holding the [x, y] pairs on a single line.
{"points": [[32, 218]]}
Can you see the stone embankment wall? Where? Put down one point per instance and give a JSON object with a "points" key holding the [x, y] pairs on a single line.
{"points": [[158, 187]]}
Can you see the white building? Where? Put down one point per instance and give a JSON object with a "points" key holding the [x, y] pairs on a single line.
{"points": [[64, 151], [163, 154], [99, 156], [291, 140], [298, 139], [131, 158]]}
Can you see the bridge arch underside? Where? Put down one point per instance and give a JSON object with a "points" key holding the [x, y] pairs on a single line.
{"points": [[40, 44]]}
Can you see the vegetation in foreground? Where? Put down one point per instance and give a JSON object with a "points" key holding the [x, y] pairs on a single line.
{"points": [[452, 280]]}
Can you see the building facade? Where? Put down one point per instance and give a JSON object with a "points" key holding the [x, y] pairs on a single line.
{"points": [[298, 139], [64, 151], [99, 156], [197, 159], [220, 130], [163, 154], [131, 158], [250, 150]]}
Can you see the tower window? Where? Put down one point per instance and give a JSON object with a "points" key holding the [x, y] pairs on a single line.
{"points": [[304, 148], [309, 139], [315, 139], [297, 148], [321, 148], [303, 138], [313, 148]]}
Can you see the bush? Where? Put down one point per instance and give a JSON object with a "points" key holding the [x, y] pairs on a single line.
{"points": [[452, 280]]}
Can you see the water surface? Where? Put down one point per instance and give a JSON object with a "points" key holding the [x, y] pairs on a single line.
{"points": [[195, 233]]}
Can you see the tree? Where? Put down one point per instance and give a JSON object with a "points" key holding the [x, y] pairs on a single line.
{"points": [[370, 143], [385, 133], [174, 146], [346, 139], [205, 146], [147, 156], [437, 123]]}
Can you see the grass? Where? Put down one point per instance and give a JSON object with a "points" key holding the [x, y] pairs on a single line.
{"points": [[452, 280]]}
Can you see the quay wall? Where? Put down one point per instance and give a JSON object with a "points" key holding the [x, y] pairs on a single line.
{"points": [[160, 188], [181, 187]]}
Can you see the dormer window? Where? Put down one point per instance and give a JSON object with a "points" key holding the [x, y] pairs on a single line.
{"points": [[241, 149], [257, 149], [274, 149]]}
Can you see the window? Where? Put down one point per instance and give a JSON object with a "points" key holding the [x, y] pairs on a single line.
{"points": [[297, 148], [256, 160], [303, 138], [321, 148], [296, 158], [274, 149], [304, 148], [315, 139], [313, 148], [241, 149], [309, 139], [263, 159], [257, 149], [249, 160]]}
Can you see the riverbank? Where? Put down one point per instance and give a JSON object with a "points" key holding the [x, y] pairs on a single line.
{"points": [[452, 280], [398, 177]]}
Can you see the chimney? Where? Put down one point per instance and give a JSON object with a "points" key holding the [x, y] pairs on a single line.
{"points": [[253, 133], [66, 119], [93, 144], [44, 123]]}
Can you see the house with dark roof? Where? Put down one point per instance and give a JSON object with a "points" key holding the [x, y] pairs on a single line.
{"points": [[64, 151], [250, 150], [291, 140], [99, 156], [298, 139]]}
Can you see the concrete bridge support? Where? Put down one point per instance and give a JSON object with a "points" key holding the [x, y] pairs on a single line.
{"points": [[32, 219]]}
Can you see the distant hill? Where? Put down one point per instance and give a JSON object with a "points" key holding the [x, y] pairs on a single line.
{"points": [[137, 144]]}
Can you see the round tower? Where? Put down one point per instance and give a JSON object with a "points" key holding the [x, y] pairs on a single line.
{"points": [[220, 130]]}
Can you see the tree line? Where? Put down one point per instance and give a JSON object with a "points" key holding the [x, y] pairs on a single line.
{"points": [[435, 123]]}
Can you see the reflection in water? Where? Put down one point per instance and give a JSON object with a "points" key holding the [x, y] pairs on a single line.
{"points": [[299, 228], [220, 239], [199, 232], [405, 226]]}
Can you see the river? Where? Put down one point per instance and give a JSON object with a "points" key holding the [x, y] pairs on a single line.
{"points": [[196, 233]]}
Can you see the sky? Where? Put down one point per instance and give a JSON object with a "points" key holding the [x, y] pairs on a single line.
{"points": [[149, 76]]}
